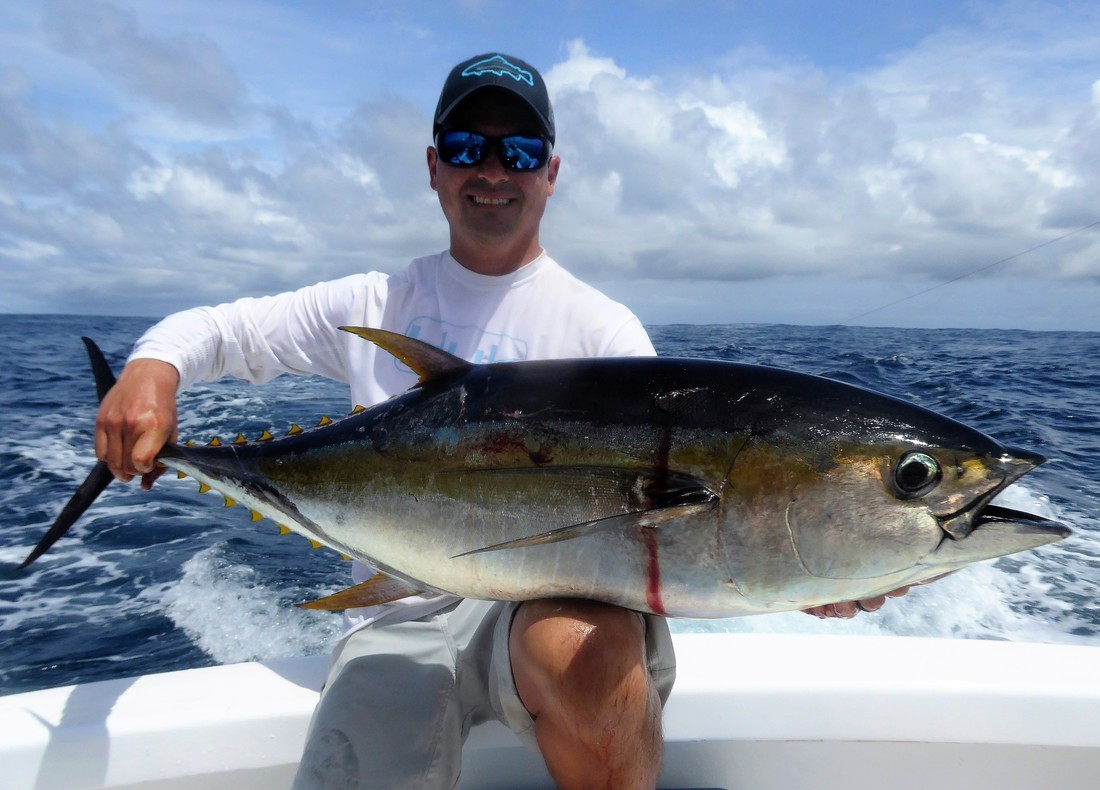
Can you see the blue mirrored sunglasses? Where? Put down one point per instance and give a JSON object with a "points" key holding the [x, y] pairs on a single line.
{"points": [[516, 152]]}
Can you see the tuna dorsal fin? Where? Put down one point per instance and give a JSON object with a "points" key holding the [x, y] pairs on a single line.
{"points": [[426, 360], [379, 588]]}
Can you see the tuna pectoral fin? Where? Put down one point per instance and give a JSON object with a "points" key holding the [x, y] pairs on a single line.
{"points": [[91, 488], [378, 589], [621, 498], [648, 519]]}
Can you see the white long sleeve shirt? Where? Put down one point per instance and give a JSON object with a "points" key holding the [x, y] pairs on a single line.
{"points": [[538, 312]]}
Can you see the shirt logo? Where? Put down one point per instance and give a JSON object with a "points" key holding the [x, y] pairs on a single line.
{"points": [[483, 347], [500, 67]]}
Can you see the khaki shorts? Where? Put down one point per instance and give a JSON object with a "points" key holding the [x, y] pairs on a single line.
{"points": [[400, 699]]}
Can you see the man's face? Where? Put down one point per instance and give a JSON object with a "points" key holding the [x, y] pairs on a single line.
{"points": [[492, 211]]}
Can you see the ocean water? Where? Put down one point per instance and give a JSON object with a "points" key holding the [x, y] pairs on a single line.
{"points": [[167, 579]]}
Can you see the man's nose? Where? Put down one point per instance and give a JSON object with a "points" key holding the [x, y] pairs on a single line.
{"points": [[492, 170]]}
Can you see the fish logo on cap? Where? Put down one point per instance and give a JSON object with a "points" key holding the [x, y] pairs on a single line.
{"points": [[500, 67]]}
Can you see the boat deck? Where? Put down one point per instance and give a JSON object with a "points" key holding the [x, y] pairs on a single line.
{"points": [[748, 710]]}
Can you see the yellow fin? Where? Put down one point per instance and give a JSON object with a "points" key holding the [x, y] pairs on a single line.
{"points": [[203, 488], [426, 360], [358, 409], [315, 544], [266, 436], [295, 429], [379, 588], [255, 516], [215, 442], [324, 421], [180, 475], [229, 502], [284, 530], [240, 439]]}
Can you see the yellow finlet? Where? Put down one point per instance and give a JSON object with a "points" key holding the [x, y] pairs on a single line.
{"points": [[295, 429], [315, 544], [215, 442], [229, 502], [180, 475], [266, 436], [203, 488], [189, 443], [358, 409], [324, 421], [255, 516], [240, 439], [284, 530]]}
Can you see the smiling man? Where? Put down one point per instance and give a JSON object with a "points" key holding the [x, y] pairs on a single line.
{"points": [[582, 682], [493, 210]]}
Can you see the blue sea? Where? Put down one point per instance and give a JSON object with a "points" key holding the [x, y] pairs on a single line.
{"points": [[167, 579]]}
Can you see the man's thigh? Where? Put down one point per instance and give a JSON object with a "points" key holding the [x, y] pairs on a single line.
{"points": [[399, 701]]}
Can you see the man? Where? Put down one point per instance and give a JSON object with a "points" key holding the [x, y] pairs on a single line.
{"points": [[581, 681]]}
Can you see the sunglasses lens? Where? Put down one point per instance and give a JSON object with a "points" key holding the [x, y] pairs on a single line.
{"points": [[524, 153], [462, 149], [516, 152]]}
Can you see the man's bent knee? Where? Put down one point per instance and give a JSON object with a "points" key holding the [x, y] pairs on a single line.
{"points": [[562, 640], [572, 653], [580, 670]]}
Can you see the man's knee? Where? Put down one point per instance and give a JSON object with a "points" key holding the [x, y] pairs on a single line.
{"points": [[560, 646], [580, 669]]}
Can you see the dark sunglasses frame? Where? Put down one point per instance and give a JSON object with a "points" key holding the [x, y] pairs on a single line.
{"points": [[516, 152]]}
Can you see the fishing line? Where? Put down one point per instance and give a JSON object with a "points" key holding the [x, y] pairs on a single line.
{"points": [[972, 272]]}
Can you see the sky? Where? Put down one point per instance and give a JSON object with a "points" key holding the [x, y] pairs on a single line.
{"points": [[913, 163]]}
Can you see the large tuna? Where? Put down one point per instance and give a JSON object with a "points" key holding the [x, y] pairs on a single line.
{"points": [[677, 486]]}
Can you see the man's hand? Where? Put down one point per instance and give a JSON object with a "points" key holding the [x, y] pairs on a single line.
{"points": [[849, 609], [136, 419]]}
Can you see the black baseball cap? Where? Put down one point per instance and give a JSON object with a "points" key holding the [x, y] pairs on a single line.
{"points": [[500, 71]]}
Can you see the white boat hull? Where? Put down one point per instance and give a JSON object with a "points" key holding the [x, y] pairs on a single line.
{"points": [[748, 710]]}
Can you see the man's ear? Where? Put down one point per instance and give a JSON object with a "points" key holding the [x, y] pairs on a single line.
{"points": [[433, 165], [552, 168]]}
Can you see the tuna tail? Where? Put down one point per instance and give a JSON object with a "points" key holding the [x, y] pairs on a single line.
{"points": [[100, 475]]}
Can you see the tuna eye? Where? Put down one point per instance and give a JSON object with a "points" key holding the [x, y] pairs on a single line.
{"points": [[916, 473]]}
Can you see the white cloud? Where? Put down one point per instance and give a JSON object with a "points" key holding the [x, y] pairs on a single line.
{"points": [[186, 73], [150, 181], [932, 165], [23, 250], [164, 184], [579, 69]]}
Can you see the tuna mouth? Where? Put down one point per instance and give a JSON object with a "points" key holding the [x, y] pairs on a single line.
{"points": [[1012, 464], [995, 516], [996, 531]]}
